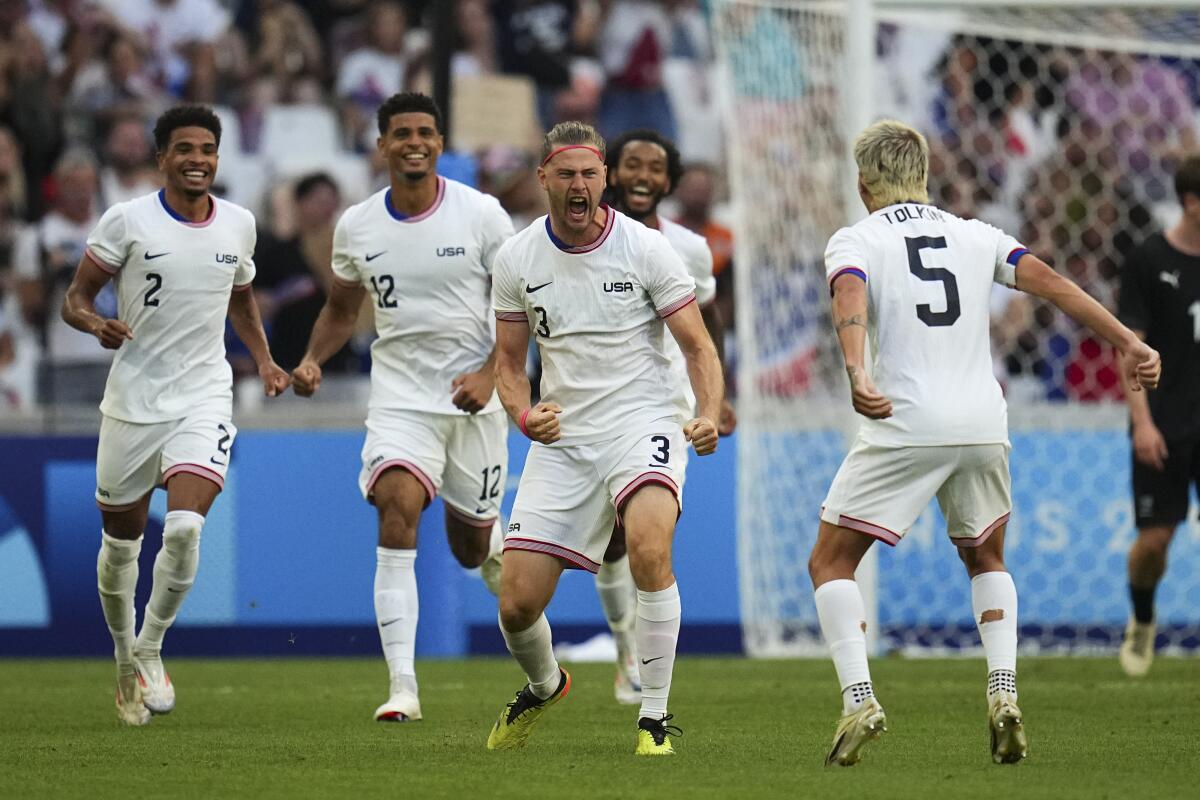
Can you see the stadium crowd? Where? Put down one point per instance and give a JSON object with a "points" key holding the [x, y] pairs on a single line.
{"points": [[296, 84]]}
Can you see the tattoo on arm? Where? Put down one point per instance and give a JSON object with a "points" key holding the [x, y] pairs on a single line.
{"points": [[853, 320]]}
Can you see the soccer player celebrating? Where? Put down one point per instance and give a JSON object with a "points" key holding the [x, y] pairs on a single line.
{"points": [[424, 248], [1160, 300], [917, 279], [595, 289], [643, 168], [181, 260]]}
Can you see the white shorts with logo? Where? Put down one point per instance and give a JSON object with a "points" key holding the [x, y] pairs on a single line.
{"points": [[462, 457], [570, 496], [133, 458], [880, 491]]}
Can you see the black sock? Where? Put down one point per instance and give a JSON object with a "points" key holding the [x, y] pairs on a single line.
{"points": [[1143, 603]]}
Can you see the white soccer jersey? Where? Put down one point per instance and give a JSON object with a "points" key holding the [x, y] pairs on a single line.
{"points": [[429, 275], [693, 249], [597, 313], [929, 280], [173, 280]]}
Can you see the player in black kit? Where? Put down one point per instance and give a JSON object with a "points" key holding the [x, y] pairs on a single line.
{"points": [[1160, 300]]}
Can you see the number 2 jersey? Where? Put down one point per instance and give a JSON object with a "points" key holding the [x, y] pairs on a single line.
{"points": [[596, 312], [173, 279], [929, 278], [430, 277]]}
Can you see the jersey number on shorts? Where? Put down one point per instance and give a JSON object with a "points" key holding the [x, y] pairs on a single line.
{"points": [[925, 313], [543, 326], [664, 449], [493, 492], [383, 293], [222, 447], [155, 284]]}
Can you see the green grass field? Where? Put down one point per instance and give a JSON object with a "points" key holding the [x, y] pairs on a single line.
{"points": [[292, 728]]}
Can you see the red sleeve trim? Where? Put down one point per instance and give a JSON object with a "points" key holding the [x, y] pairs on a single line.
{"points": [[512, 316], [95, 259], [678, 305], [242, 287], [348, 284]]}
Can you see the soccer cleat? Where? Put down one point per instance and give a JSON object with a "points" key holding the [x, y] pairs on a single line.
{"points": [[130, 708], [854, 730], [1009, 744], [627, 687], [1137, 648], [518, 717], [654, 736], [158, 695], [402, 706]]}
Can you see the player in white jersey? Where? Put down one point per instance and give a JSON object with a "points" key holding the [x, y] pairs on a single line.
{"points": [[182, 260], [643, 168], [917, 280], [595, 288], [424, 248]]}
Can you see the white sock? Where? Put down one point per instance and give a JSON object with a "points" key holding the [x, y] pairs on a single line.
{"points": [[994, 595], [618, 598], [534, 651], [657, 630], [396, 610], [174, 573], [116, 579], [840, 610]]}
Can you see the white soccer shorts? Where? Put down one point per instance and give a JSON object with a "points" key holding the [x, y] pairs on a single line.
{"points": [[880, 491], [133, 458], [462, 457], [570, 496]]}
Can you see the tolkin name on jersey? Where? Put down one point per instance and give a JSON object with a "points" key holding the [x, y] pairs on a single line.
{"points": [[226, 258], [905, 213], [619, 286], [445, 252]]}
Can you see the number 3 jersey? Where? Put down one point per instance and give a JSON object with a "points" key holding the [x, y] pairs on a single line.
{"points": [[173, 279], [596, 312], [430, 276], [929, 278]]}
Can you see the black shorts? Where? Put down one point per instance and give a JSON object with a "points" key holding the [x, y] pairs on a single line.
{"points": [[1161, 498]]}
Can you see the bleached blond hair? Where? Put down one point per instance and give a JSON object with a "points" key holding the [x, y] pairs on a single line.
{"points": [[893, 162]]}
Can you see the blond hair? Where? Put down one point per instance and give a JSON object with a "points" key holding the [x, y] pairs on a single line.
{"points": [[893, 162], [565, 134]]}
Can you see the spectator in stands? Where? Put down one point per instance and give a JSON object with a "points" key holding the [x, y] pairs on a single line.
{"points": [[46, 258], [294, 273], [31, 107], [16, 375], [635, 39], [510, 175], [13, 187], [372, 73], [543, 40], [287, 51], [118, 84], [129, 164], [181, 37]]}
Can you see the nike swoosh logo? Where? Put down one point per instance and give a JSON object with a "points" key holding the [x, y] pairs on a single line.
{"points": [[648, 660], [481, 511], [371, 257], [389, 622], [176, 591], [532, 289], [156, 255], [213, 460]]}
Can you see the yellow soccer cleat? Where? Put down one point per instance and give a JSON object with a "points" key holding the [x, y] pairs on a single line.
{"points": [[654, 736], [855, 730], [1137, 649], [518, 717], [1009, 743]]}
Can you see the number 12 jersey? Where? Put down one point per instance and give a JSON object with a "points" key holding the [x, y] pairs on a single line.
{"points": [[929, 277]]}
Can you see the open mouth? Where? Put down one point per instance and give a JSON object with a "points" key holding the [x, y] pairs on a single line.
{"points": [[415, 160], [195, 174], [639, 196], [577, 209]]}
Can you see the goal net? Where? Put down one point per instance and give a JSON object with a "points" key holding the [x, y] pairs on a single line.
{"points": [[1059, 122]]}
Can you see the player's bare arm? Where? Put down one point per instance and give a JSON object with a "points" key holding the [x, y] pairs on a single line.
{"points": [[473, 390], [1140, 363], [704, 371], [79, 306], [333, 328], [1149, 445], [850, 322], [539, 422], [715, 325], [247, 324]]}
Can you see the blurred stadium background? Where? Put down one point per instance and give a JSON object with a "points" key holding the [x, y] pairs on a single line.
{"points": [[1059, 121]]}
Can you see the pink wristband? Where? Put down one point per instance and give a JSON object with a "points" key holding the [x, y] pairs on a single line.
{"points": [[525, 414]]}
